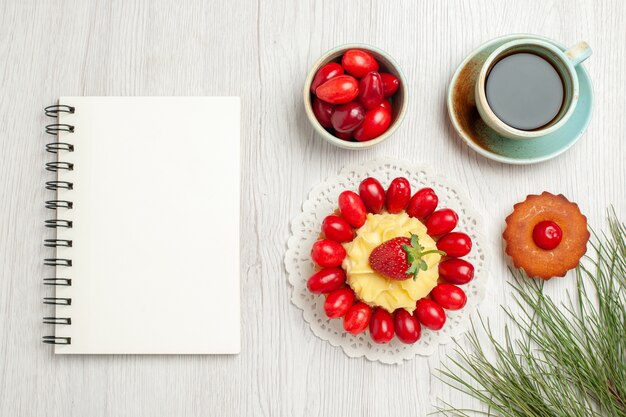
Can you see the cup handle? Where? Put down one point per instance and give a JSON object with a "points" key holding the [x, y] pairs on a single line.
{"points": [[578, 53]]}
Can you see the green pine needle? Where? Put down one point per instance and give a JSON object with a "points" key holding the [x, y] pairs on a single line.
{"points": [[570, 359]]}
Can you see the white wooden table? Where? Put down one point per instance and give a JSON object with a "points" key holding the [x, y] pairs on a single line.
{"points": [[261, 52]]}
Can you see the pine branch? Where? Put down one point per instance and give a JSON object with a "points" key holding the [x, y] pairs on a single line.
{"points": [[570, 359]]}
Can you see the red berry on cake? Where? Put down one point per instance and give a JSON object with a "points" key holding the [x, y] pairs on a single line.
{"points": [[441, 222], [455, 244], [449, 296], [400, 258], [327, 253], [352, 208], [381, 326], [357, 318], [326, 280], [423, 203], [398, 195], [407, 327], [338, 302], [372, 194], [430, 314], [337, 229]]}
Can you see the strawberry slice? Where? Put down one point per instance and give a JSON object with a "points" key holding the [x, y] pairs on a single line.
{"points": [[400, 258]]}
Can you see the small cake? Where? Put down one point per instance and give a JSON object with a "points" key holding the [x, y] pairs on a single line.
{"points": [[380, 259], [546, 235]]}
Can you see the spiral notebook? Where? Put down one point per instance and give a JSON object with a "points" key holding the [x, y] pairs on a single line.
{"points": [[145, 208]]}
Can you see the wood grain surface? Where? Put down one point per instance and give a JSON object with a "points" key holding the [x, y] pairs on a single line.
{"points": [[262, 51]]}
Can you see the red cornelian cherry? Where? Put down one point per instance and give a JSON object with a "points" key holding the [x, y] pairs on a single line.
{"points": [[328, 71], [358, 62], [343, 135], [323, 112], [371, 90], [391, 83], [372, 194], [347, 117], [547, 235], [338, 90], [386, 104]]}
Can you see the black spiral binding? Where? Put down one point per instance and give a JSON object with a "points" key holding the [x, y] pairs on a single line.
{"points": [[57, 185], [55, 204], [57, 166], [56, 223], [57, 147], [55, 128], [53, 111], [57, 320], [57, 262], [55, 243], [66, 282], [57, 301], [53, 340]]}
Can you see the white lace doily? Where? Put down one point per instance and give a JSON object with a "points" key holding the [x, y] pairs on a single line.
{"points": [[305, 230]]}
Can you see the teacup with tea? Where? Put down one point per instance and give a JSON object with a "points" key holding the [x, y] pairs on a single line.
{"points": [[528, 88]]}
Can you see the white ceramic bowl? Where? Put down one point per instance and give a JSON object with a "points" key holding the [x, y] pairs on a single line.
{"points": [[398, 100]]}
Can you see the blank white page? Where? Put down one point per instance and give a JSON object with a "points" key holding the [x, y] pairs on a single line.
{"points": [[155, 225]]}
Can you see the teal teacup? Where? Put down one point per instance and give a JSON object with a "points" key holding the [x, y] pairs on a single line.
{"points": [[563, 62]]}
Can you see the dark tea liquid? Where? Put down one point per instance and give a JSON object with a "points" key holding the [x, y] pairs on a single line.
{"points": [[525, 91]]}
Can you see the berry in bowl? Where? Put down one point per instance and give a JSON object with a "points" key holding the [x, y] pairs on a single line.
{"points": [[355, 96]]}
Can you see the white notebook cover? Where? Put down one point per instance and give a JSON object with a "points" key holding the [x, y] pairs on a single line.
{"points": [[155, 254]]}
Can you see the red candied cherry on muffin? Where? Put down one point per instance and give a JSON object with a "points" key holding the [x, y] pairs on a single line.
{"points": [[547, 235]]}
